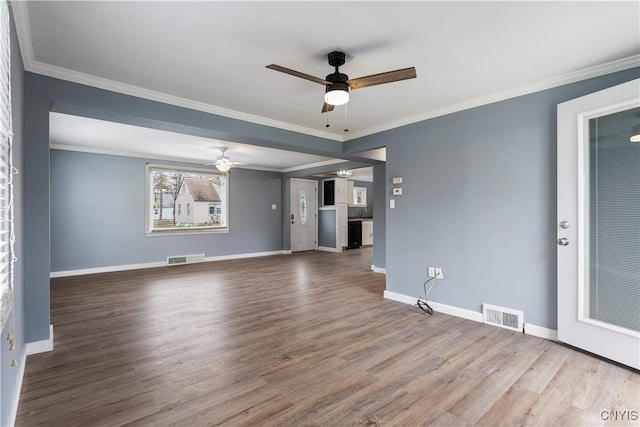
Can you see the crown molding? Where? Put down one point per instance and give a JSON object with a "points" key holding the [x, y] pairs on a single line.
{"points": [[30, 64], [126, 89], [573, 77], [23, 30]]}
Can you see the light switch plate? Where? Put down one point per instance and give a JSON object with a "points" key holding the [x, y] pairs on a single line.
{"points": [[392, 204], [397, 191], [397, 180]]}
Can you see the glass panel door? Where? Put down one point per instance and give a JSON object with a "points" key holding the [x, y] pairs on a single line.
{"points": [[614, 218], [598, 228]]}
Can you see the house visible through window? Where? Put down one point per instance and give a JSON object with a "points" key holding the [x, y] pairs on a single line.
{"points": [[204, 193]]}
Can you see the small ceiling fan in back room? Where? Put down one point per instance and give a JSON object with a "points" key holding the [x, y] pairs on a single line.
{"points": [[338, 84], [224, 163]]}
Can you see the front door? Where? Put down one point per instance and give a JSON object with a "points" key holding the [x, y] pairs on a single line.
{"points": [[599, 223], [304, 201]]}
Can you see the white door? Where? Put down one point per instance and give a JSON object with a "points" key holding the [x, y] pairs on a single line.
{"points": [[599, 223], [304, 202]]}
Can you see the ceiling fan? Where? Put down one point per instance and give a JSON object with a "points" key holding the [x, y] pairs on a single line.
{"points": [[224, 163], [337, 84]]}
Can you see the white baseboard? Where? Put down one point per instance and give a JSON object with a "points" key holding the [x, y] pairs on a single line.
{"points": [[529, 329], [458, 312], [441, 308], [327, 249], [378, 269], [40, 346], [13, 409], [110, 269], [540, 331], [400, 297]]}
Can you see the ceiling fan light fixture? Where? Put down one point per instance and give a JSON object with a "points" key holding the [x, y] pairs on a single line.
{"points": [[337, 94], [344, 173], [223, 167]]}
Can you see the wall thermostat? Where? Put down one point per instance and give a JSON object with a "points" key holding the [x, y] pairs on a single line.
{"points": [[397, 191]]}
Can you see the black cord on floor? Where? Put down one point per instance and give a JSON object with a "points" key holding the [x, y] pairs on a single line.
{"points": [[425, 307], [422, 303]]}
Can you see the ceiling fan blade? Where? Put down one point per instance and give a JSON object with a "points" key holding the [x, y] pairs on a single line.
{"points": [[327, 107], [378, 79], [297, 74]]}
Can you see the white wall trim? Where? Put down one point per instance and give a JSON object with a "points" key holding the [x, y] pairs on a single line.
{"points": [[378, 269], [40, 346], [328, 249], [31, 64], [13, 409], [400, 298], [540, 331], [529, 329], [458, 312], [580, 75], [21, 17], [437, 307], [110, 269]]}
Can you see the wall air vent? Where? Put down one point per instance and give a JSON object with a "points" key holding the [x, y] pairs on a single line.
{"points": [[185, 259], [503, 317]]}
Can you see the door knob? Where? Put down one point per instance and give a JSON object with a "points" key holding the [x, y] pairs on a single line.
{"points": [[563, 241]]}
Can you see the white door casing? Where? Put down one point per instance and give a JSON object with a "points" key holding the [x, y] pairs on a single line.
{"points": [[303, 214], [575, 327]]}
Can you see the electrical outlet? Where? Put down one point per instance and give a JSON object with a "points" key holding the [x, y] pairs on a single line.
{"points": [[432, 272], [439, 274]]}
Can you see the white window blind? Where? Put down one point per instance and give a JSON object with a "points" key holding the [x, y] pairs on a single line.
{"points": [[614, 291], [6, 169]]}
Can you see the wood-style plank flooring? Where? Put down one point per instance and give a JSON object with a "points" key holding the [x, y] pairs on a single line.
{"points": [[292, 340]]}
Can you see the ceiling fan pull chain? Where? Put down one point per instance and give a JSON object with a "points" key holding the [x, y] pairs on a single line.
{"points": [[346, 128]]}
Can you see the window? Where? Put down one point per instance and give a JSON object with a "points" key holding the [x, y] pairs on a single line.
{"points": [[360, 196], [168, 189], [6, 171]]}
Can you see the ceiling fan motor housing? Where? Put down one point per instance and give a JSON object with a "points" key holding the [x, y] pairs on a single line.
{"points": [[336, 58], [337, 79]]}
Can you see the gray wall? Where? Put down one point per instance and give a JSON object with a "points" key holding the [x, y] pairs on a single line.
{"points": [[480, 201], [42, 94], [9, 374], [98, 220], [327, 228], [379, 215], [479, 191]]}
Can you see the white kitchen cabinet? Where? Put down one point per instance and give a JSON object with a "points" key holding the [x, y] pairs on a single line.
{"points": [[367, 233], [341, 218], [335, 191]]}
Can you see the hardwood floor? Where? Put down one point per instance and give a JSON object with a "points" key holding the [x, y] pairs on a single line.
{"points": [[303, 339]]}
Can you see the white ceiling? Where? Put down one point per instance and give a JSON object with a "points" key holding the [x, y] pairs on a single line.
{"points": [[211, 56], [68, 132]]}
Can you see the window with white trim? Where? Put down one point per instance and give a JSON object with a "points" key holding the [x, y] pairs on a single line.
{"points": [[185, 200], [7, 236]]}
